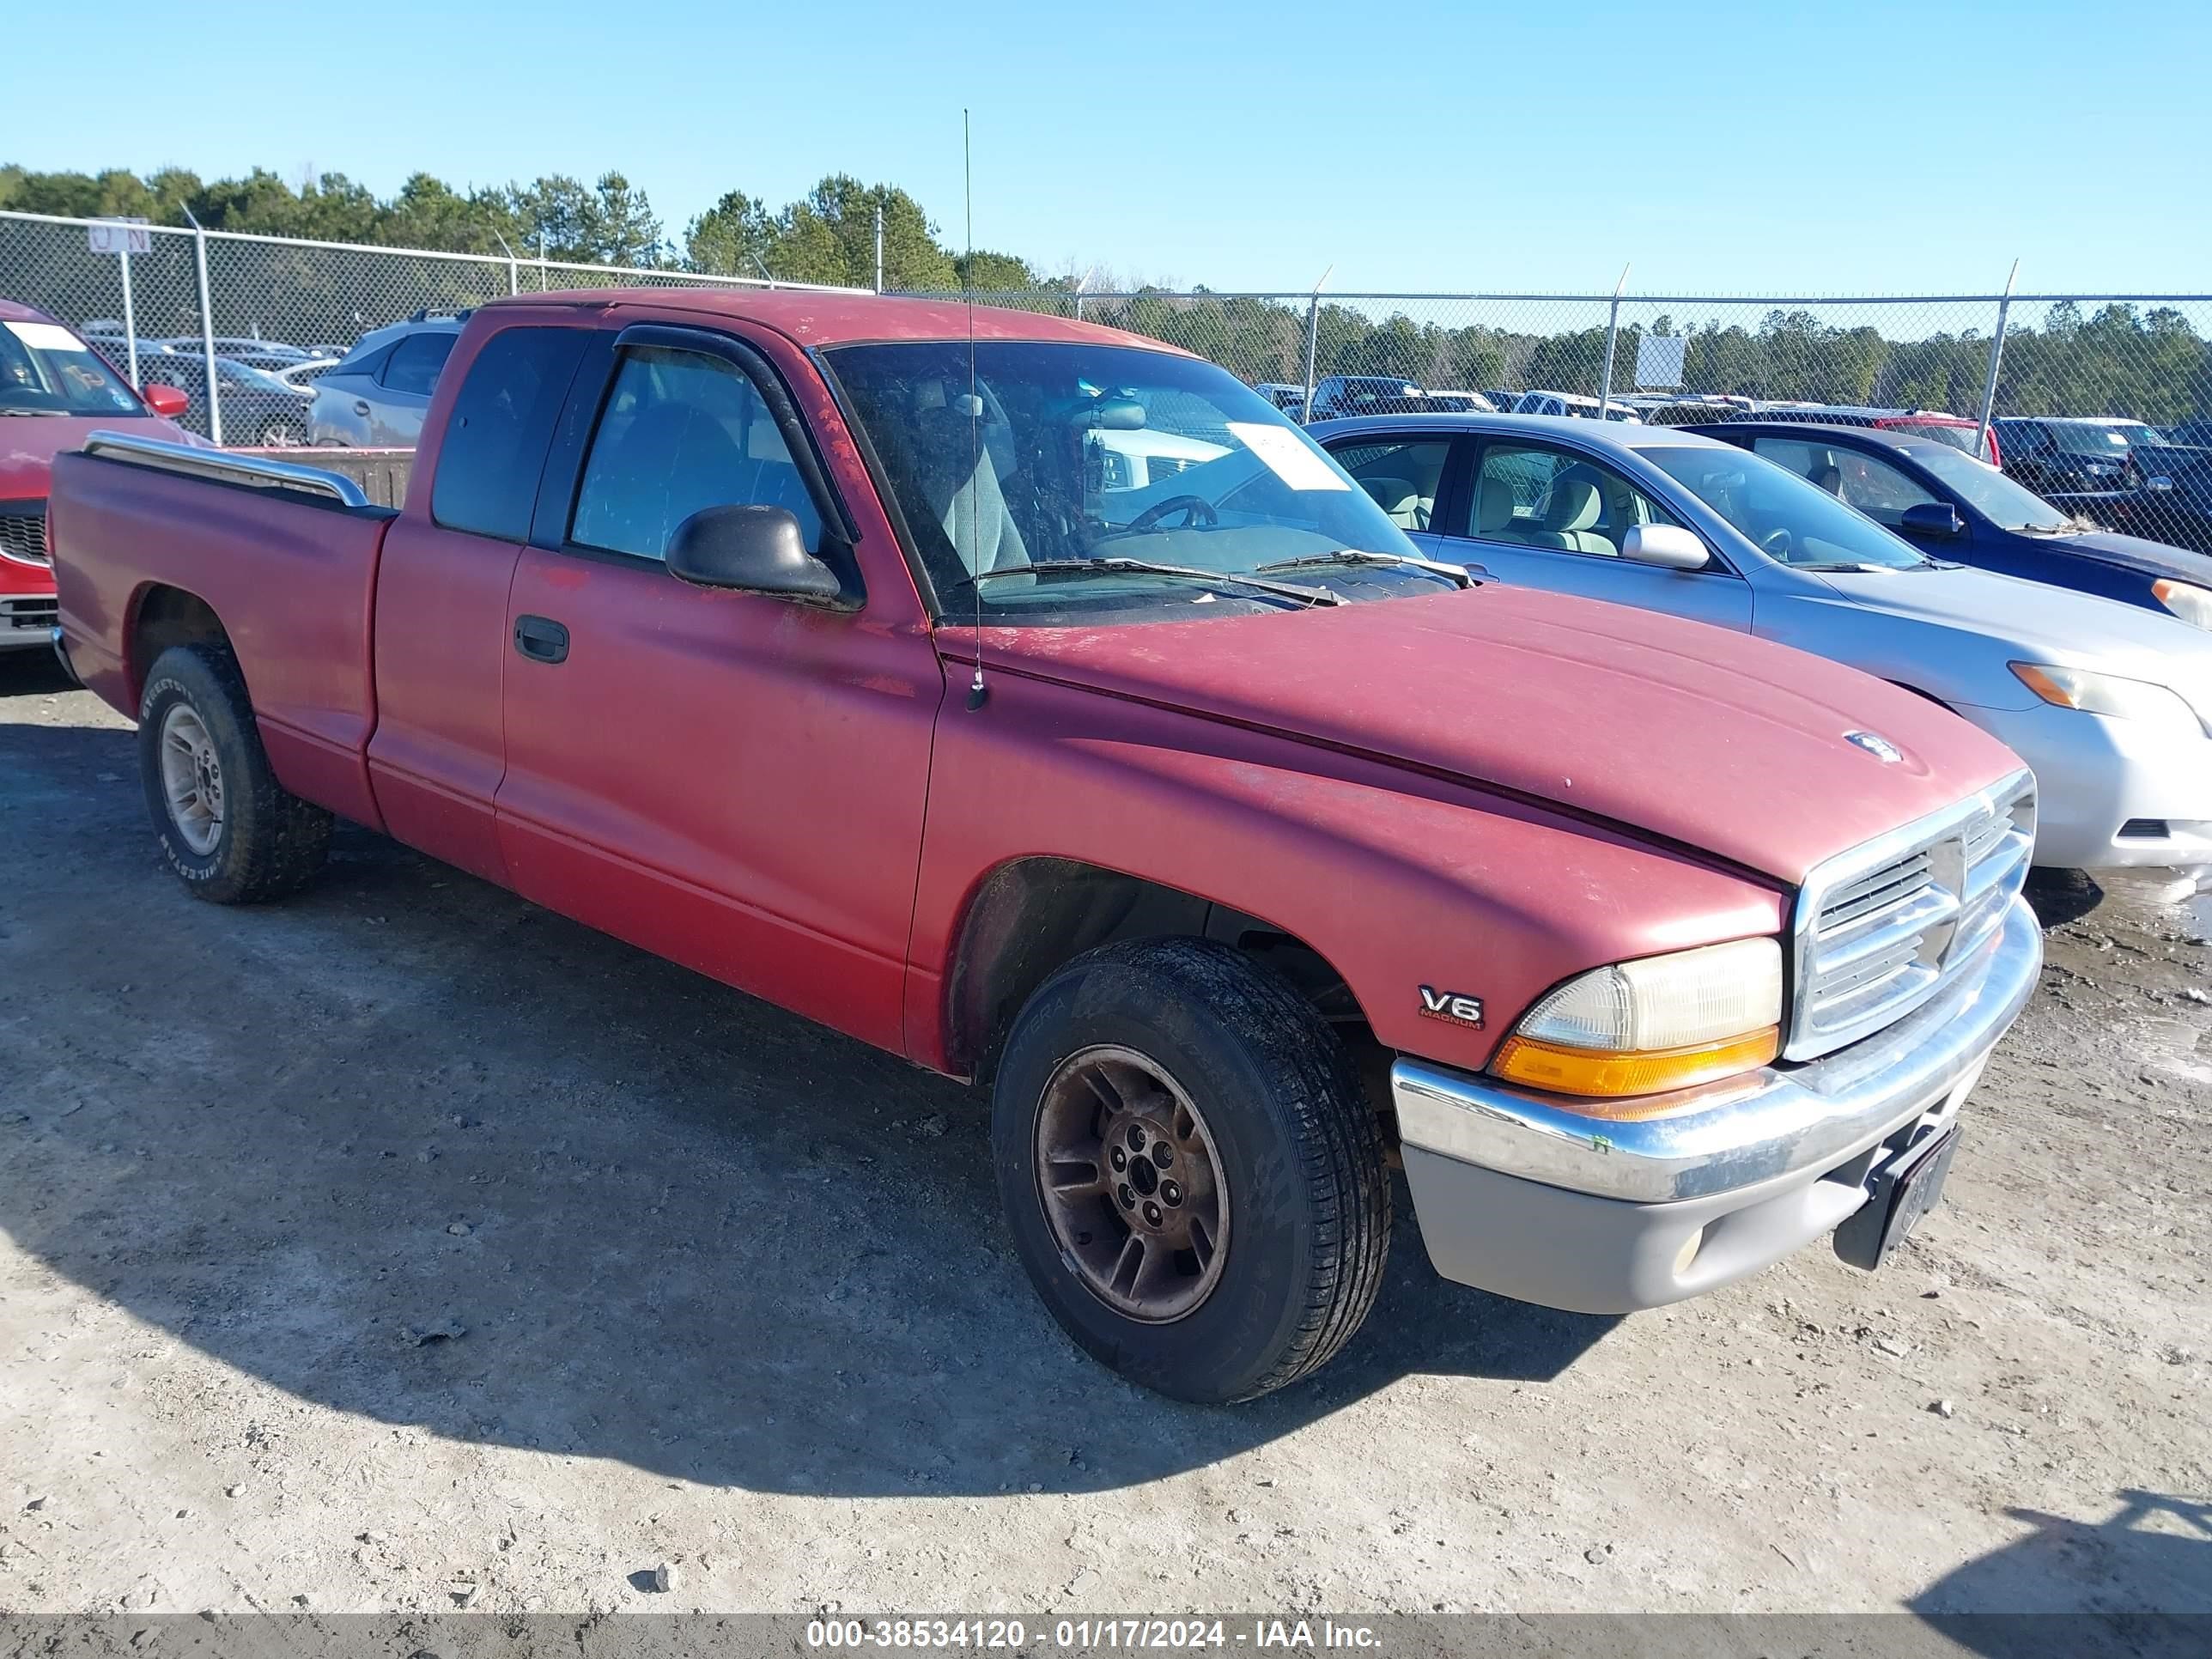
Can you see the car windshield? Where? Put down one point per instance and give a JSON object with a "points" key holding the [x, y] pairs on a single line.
{"points": [[2098, 440], [1789, 519], [1067, 454], [1965, 438], [1989, 493], [46, 370], [237, 373]]}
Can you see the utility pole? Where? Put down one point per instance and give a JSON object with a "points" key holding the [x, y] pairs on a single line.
{"points": [[1612, 330], [1996, 357]]}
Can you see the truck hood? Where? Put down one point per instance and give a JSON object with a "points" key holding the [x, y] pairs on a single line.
{"points": [[2025, 620], [28, 444], [1703, 737]]}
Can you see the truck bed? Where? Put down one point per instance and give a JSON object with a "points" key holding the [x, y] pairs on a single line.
{"points": [[287, 564]]}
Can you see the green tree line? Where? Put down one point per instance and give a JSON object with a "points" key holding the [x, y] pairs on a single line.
{"points": [[826, 236], [2117, 359]]}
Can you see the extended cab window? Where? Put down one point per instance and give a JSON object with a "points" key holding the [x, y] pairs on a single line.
{"points": [[1550, 499], [682, 430], [412, 369], [502, 426]]}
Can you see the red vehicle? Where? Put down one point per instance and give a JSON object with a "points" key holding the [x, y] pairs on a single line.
{"points": [[804, 640], [54, 391], [1955, 430]]}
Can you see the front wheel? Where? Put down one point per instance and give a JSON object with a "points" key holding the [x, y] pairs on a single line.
{"points": [[1192, 1175], [228, 831]]}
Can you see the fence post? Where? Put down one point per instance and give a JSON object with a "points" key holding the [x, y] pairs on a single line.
{"points": [[207, 332], [513, 273], [129, 317], [1313, 342], [879, 248], [1612, 332], [1079, 282], [1997, 356]]}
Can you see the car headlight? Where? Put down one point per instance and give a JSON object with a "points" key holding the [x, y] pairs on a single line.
{"points": [[2186, 600], [1658, 1024], [2107, 694]]}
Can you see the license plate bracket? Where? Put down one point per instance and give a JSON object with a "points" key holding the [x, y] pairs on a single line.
{"points": [[1905, 1190]]}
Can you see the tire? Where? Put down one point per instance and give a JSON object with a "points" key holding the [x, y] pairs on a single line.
{"points": [[1295, 1149], [244, 838]]}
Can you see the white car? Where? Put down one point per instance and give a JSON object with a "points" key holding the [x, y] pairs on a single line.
{"points": [[1139, 459]]}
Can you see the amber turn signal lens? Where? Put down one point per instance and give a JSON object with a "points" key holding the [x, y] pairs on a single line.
{"points": [[1585, 1072]]}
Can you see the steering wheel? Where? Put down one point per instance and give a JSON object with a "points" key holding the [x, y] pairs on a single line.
{"points": [[1777, 542], [1195, 509]]}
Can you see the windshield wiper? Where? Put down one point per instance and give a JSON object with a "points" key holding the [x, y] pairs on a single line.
{"points": [[1855, 567], [33, 412], [1297, 591], [1456, 574]]}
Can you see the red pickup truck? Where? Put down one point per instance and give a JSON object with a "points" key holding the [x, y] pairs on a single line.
{"points": [[1037, 702]]}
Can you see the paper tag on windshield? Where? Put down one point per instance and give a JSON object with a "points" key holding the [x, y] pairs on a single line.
{"points": [[44, 336], [1284, 454]]}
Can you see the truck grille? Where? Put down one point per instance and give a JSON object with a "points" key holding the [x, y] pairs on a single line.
{"points": [[1880, 927], [23, 531]]}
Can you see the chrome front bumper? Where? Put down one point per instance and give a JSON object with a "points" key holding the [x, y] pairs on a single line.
{"points": [[1741, 1131], [1521, 1195]]}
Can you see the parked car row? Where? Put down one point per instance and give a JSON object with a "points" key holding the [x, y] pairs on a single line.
{"points": [[1786, 532]]}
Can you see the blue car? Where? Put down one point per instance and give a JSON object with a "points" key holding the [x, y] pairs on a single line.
{"points": [[1952, 506]]}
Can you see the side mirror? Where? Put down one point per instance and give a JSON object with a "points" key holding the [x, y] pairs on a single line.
{"points": [[747, 549], [1667, 545], [167, 401], [1938, 518]]}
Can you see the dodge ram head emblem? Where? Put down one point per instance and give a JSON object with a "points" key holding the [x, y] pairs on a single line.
{"points": [[1875, 745], [1452, 1007]]}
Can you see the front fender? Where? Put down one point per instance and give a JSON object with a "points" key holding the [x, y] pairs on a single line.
{"points": [[1400, 879]]}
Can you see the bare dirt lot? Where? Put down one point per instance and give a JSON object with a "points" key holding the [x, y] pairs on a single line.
{"points": [[406, 1248]]}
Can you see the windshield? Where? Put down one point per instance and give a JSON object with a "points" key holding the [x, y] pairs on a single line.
{"points": [[1989, 493], [1065, 453], [1789, 519], [1967, 440], [238, 373], [2098, 440], [46, 370]]}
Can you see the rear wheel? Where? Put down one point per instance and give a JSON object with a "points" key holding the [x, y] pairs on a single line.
{"points": [[1192, 1175], [231, 833]]}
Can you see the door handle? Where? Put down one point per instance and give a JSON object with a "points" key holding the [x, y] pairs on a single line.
{"points": [[541, 639], [360, 406]]}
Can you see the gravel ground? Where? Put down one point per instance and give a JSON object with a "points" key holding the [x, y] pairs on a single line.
{"points": [[405, 1247]]}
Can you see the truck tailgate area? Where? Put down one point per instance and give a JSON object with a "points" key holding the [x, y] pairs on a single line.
{"points": [[290, 577]]}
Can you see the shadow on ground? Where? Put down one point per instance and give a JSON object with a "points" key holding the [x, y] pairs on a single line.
{"points": [[2138, 1582], [408, 1147]]}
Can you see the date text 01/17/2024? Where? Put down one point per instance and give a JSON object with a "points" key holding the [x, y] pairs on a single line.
{"points": [[1105, 1634]]}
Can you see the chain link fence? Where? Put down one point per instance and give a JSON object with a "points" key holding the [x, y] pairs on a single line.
{"points": [[2045, 368]]}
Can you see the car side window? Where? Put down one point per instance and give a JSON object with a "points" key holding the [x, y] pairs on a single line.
{"points": [[1551, 499], [501, 428], [1878, 489], [1403, 476], [680, 431], [412, 369]]}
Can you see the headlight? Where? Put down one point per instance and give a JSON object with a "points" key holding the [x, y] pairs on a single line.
{"points": [[2186, 600], [1642, 1028], [2107, 694]]}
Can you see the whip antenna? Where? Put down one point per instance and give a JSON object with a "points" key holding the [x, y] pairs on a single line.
{"points": [[978, 693]]}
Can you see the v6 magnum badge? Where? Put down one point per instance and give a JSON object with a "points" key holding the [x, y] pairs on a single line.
{"points": [[1451, 1006]]}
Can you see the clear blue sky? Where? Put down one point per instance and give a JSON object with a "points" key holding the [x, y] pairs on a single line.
{"points": [[1839, 149]]}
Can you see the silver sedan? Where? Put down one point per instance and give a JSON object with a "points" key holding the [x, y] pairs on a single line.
{"points": [[2110, 704]]}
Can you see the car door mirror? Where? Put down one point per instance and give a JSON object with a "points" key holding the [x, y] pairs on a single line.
{"points": [[167, 401], [1667, 545], [1938, 518], [748, 549]]}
